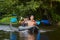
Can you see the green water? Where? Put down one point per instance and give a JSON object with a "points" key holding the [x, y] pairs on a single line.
{"points": [[4, 35]]}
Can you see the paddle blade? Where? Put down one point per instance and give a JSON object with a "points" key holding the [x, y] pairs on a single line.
{"points": [[37, 22]]}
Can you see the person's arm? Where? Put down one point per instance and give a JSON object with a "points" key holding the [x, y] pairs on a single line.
{"points": [[35, 23], [21, 22]]}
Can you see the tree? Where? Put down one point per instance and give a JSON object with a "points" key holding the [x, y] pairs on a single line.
{"points": [[24, 7]]}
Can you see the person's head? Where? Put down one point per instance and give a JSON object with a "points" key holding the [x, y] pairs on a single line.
{"points": [[26, 18], [31, 17]]}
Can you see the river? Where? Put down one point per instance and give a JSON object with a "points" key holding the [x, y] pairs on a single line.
{"points": [[7, 35]]}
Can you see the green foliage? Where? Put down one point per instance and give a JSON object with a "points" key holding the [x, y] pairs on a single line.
{"points": [[17, 6], [56, 0], [25, 7], [56, 17], [6, 20]]}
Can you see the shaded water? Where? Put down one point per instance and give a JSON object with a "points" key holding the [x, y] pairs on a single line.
{"points": [[52, 35], [22, 36]]}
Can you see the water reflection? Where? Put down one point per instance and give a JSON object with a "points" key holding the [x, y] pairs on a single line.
{"points": [[31, 37], [38, 36], [22, 35], [44, 37], [25, 35], [4, 35], [13, 36]]}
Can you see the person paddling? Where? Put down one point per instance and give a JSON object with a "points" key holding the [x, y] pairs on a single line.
{"points": [[31, 22], [24, 22]]}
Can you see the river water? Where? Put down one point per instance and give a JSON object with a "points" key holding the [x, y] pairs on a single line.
{"points": [[50, 35]]}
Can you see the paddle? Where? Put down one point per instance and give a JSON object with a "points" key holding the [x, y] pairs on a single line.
{"points": [[38, 22]]}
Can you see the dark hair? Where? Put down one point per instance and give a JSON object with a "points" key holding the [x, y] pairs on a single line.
{"points": [[30, 16], [26, 17]]}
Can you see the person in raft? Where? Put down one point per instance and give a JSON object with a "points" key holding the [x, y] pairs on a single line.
{"points": [[31, 22], [24, 22]]}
